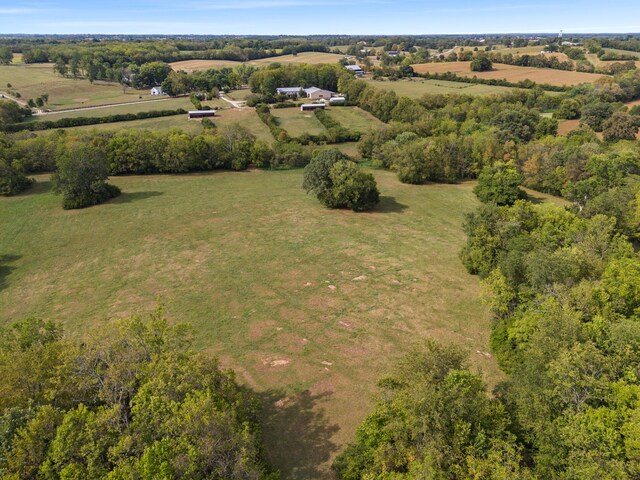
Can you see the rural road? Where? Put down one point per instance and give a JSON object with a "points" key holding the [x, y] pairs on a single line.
{"points": [[9, 97], [235, 103]]}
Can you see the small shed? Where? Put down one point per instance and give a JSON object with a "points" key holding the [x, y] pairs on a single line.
{"points": [[157, 91], [311, 106], [201, 113], [355, 69]]}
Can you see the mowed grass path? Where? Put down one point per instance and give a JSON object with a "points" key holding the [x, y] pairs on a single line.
{"points": [[310, 306]]}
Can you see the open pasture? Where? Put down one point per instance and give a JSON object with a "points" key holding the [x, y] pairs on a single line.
{"points": [[165, 104], [227, 116], [33, 80], [304, 57], [193, 65], [417, 87], [296, 122], [353, 118], [246, 117], [511, 73], [308, 305]]}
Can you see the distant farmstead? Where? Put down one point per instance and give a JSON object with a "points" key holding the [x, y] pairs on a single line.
{"points": [[290, 91], [201, 113], [314, 93], [157, 91], [311, 106]]}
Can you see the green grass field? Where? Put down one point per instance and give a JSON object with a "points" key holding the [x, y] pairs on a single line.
{"points": [[33, 80], [309, 305], [162, 123], [296, 122], [239, 94], [623, 52], [245, 117], [417, 87], [166, 104], [248, 118], [354, 118]]}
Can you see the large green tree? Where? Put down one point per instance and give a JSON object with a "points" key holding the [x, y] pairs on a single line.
{"points": [[338, 182], [81, 177], [500, 184]]}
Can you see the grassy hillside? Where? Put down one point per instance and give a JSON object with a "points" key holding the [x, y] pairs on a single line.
{"points": [[33, 80], [304, 57], [417, 87], [354, 118], [511, 73], [308, 305], [296, 122], [245, 117]]}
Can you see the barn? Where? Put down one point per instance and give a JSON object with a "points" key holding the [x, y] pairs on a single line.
{"points": [[201, 113], [315, 93], [293, 92], [311, 106], [355, 69]]}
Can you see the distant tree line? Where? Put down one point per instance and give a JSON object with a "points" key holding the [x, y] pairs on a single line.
{"points": [[80, 121]]}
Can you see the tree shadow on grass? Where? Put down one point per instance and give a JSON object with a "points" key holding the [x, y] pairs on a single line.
{"points": [[6, 269], [297, 434], [37, 188], [390, 205], [535, 199], [127, 197]]}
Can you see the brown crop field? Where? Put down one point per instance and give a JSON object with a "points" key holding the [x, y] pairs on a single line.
{"points": [[314, 58], [305, 57], [511, 73], [193, 65]]}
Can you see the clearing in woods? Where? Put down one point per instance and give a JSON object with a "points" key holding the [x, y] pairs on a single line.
{"points": [[308, 305], [511, 73]]}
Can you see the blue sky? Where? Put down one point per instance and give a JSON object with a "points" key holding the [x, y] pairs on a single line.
{"points": [[298, 17]]}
